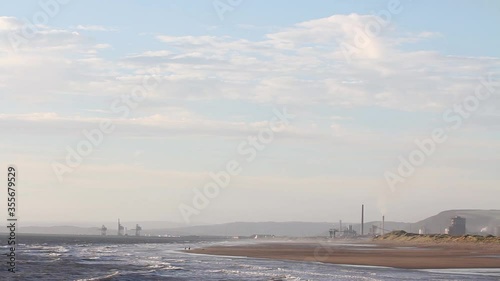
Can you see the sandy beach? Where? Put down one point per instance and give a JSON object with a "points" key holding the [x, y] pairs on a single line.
{"points": [[372, 253]]}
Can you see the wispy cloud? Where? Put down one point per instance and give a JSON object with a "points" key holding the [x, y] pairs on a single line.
{"points": [[95, 28]]}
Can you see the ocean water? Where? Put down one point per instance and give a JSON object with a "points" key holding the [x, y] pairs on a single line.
{"points": [[56, 260]]}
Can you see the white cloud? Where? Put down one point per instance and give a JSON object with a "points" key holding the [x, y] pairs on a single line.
{"points": [[95, 28], [310, 71], [10, 23], [172, 122]]}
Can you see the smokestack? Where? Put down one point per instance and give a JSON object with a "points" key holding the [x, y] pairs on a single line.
{"points": [[340, 225], [383, 225], [362, 219]]}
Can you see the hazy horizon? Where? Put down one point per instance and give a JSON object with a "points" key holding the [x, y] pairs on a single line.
{"points": [[174, 224]]}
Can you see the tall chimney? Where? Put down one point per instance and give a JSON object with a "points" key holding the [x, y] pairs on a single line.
{"points": [[383, 225], [340, 226], [362, 219]]}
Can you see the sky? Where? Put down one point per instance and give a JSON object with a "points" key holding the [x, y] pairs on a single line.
{"points": [[172, 93]]}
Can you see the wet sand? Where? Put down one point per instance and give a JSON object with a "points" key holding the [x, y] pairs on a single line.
{"points": [[398, 255]]}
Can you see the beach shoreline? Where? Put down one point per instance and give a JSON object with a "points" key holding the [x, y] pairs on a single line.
{"points": [[369, 253]]}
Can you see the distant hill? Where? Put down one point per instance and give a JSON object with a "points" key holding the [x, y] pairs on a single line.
{"points": [[476, 220], [60, 230], [297, 229], [92, 228]]}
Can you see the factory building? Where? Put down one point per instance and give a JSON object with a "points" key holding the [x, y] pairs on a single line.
{"points": [[104, 229], [457, 226], [121, 229], [138, 230], [422, 230]]}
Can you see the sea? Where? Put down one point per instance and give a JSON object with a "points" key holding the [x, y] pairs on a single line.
{"points": [[52, 259]]}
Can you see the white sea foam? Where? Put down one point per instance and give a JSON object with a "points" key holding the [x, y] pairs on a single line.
{"points": [[101, 278], [468, 271], [151, 262]]}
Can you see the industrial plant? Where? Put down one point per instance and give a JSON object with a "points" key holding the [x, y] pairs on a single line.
{"points": [[457, 226], [122, 231], [349, 232]]}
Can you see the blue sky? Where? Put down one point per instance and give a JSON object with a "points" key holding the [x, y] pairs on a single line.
{"points": [[457, 19], [221, 79]]}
